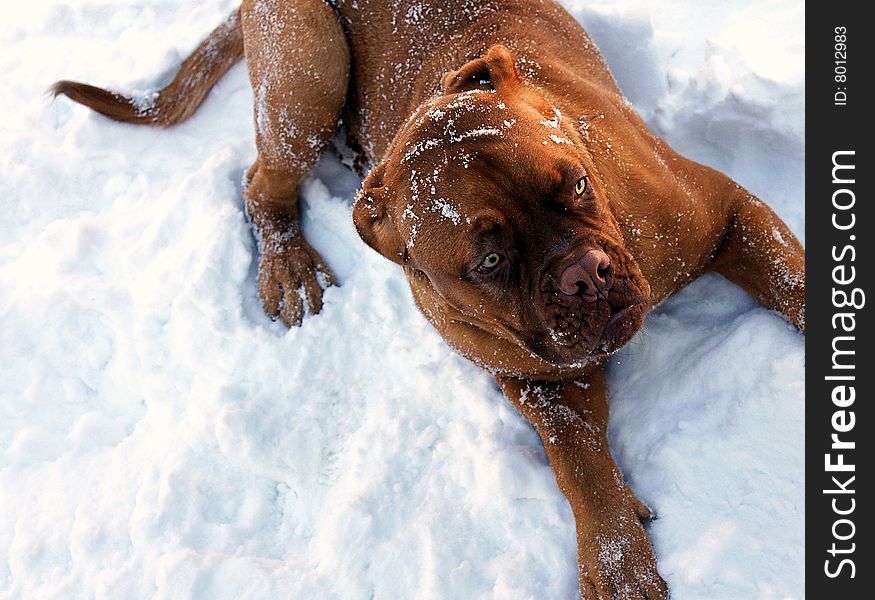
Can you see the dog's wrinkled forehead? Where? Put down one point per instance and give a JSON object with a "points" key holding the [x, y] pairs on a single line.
{"points": [[445, 124], [462, 154], [447, 137]]}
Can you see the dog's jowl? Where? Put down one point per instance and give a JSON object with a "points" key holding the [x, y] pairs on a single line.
{"points": [[535, 215]]}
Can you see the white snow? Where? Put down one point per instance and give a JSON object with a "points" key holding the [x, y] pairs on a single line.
{"points": [[159, 437], [558, 139]]}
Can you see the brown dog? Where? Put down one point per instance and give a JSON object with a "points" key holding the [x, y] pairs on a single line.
{"points": [[535, 215]]}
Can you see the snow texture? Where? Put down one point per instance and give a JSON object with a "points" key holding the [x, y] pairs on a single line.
{"points": [[161, 438]]}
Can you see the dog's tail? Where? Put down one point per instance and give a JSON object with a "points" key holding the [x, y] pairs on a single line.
{"points": [[179, 99]]}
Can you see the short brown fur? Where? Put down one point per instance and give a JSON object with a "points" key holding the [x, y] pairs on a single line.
{"points": [[495, 129]]}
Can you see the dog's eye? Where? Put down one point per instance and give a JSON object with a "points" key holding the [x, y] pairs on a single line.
{"points": [[580, 187], [489, 264]]}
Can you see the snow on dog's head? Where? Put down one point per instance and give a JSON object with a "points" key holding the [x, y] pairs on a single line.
{"points": [[489, 197]]}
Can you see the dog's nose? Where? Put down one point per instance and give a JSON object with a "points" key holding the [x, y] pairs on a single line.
{"points": [[590, 275]]}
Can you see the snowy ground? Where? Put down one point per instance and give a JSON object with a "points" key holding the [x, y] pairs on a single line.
{"points": [[160, 438]]}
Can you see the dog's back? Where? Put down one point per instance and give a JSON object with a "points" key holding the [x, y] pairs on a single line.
{"points": [[401, 54]]}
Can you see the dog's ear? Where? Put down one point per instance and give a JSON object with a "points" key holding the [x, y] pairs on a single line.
{"points": [[372, 219], [495, 70]]}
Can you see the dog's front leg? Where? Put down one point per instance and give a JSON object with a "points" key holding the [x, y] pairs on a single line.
{"points": [[761, 254], [614, 554]]}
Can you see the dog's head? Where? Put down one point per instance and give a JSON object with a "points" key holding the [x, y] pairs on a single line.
{"points": [[490, 196]]}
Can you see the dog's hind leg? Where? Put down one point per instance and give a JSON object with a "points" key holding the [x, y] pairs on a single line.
{"points": [[761, 254], [298, 62]]}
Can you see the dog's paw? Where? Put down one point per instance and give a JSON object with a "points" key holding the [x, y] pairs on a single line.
{"points": [[617, 561], [644, 512], [291, 279]]}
